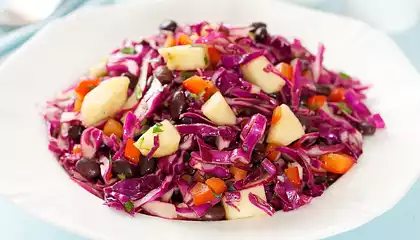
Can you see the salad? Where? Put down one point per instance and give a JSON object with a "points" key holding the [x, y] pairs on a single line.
{"points": [[210, 122]]}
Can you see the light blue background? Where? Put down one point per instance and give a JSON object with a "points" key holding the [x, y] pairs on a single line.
{"points": [[399, 223]]}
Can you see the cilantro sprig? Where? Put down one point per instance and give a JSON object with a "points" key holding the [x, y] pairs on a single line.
{"points": [[128, 50]]}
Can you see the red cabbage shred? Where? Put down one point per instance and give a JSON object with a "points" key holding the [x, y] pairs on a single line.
{"points": [[208, 149]]}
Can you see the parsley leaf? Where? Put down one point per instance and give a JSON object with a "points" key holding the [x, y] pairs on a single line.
{"points": [[186, 75], [231, 188], [344, 75], [217, 196], [343, 107], [128, 50], [129, 206], [197, 96], [206, 60], [141, 140], [157, 128], [139, 94], [121, 176]]}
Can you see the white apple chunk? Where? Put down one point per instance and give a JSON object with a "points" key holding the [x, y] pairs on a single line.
{"points": [[246, 208], [217, 110], [160, 209], [168, 139], [185, 57], [104, 100], [98, 71], [287, 129], [254, 73]]}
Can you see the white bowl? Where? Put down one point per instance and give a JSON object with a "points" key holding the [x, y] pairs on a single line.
{"points": [[65, 49]]}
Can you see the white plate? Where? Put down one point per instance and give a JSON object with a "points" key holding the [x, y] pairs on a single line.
{"points": [[66, 48]]}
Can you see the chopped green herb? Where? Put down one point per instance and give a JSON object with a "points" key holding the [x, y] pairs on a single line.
{"points": [[231, 188], [141, 140], [139, 94], [217, 196], [128, 50], [197, 96], [157, 128], [198, 45], [129, 206], [245, 148], [186, 75], [206, 60], [110, 158], [343, 107], [344, 75], [121, 176]]}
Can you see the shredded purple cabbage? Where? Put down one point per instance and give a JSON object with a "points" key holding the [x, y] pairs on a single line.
{"points": [[101, 161]]}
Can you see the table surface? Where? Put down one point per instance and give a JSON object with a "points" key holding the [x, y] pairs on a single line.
{"points": [[401, 222]]}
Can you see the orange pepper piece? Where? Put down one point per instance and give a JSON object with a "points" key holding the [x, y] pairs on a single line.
{"points": [[214, 55], [198, 85], [238, 173], [183, 39], [337, 95], [131, 152], [85, 86], [77, 149], [337, 162], [201, 194], [210, 90], [276, 115], [271, 152], [292, 174], [113, 126], [316, 102], [169, 41], [286, 70], [78, 103], [195, 84], [217, 185]]}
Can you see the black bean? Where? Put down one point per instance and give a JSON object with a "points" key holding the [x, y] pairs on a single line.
{"points": [[163, 74], [211, 140], [248, 112], [123, 167], [178, 104], [168, 25], [186, 120], [259, 147], [323, 89], [261, 34], [88, 168], [177, 197], [366, 128], [133, 80], [146, 166], [215, 213], [75, 132], [256, 25], [258, 157], [187, 157], [103, 149]]}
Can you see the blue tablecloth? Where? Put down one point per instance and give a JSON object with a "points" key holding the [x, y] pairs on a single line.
{"points": [[399, 223]]}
